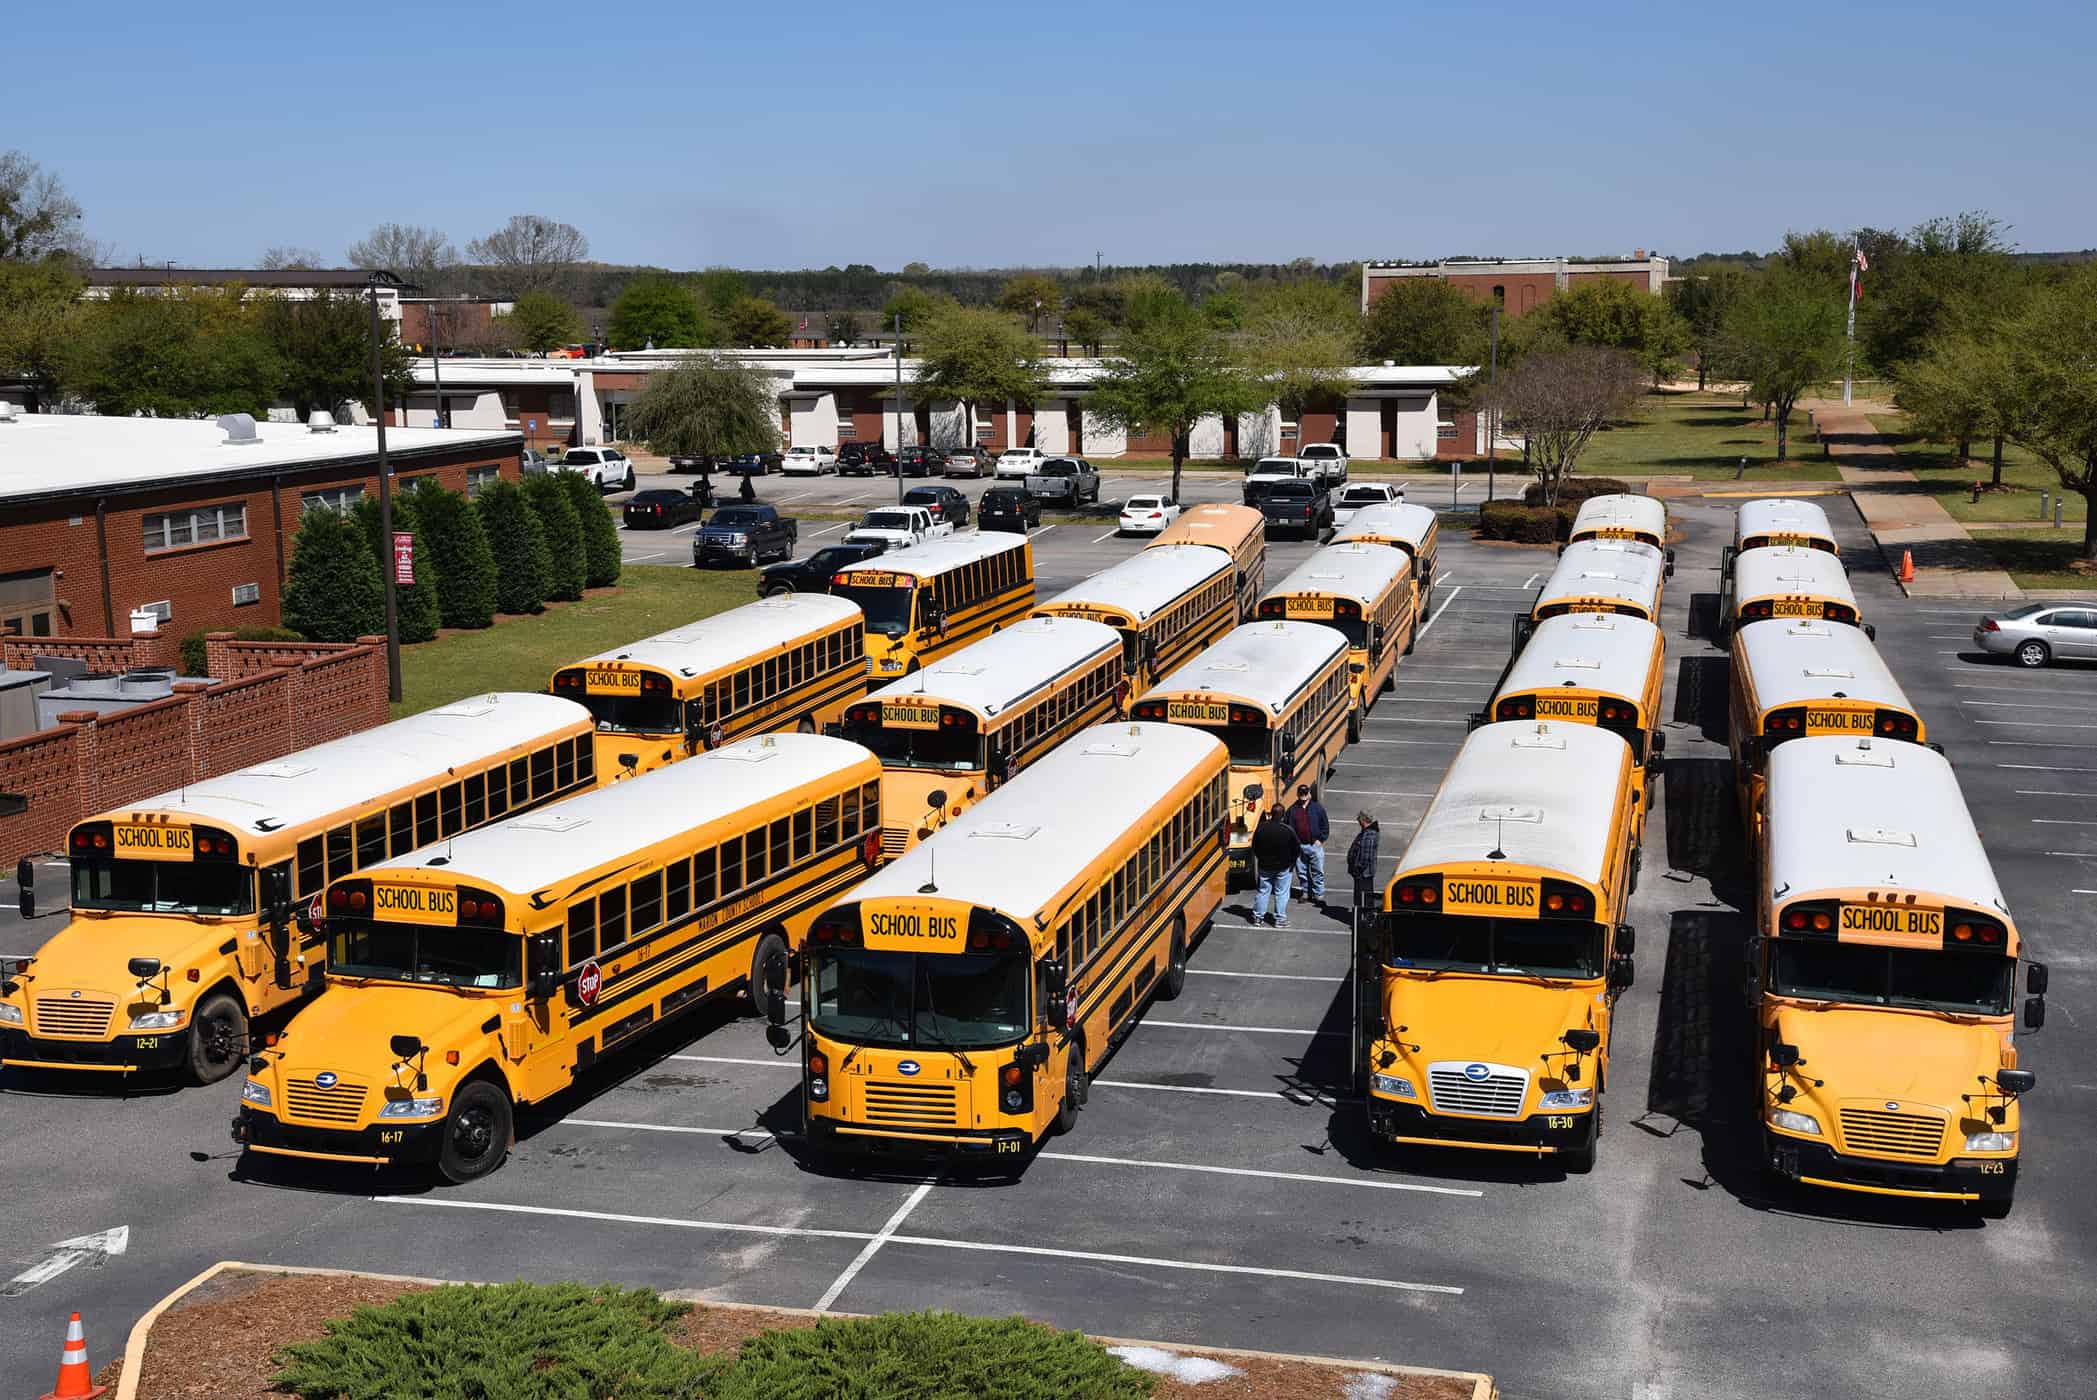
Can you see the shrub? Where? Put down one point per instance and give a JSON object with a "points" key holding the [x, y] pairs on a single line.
{"points": [[563, 528], [1505, 520], [460, 559], [1575, 489], [416, 603], [928, 1356], [333, 593], [520, 1341], [519, 545], [600, 536], [196, 657]]}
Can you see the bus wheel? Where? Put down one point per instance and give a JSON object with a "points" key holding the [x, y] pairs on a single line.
{"points": [[1581, 1160], [769, 947], [1354, 725], [218, 1039], [476, 1134], [1073, 1089], [1175, 964]]}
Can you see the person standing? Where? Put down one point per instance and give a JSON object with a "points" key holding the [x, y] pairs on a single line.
{"points": [[1361, 863], [1308, 820], [1274, 856]]}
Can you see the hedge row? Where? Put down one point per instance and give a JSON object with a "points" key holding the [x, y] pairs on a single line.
{"points": [[1505, 520], [1575, 489]]}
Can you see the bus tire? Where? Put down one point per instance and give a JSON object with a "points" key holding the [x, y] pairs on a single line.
{"points": [[1175, 963], [1073, 1089], [1581, 1160], [476, 1132], [769, 946], [218, 1038], [1354, 725]]}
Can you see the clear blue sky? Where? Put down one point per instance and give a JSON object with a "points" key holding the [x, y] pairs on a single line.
{"points": [[792, 134]]}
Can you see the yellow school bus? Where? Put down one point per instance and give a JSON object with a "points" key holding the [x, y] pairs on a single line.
{"points": [[790, 662], [1785, 582], [1414, 529], [1239, 531], [472, 977], [937, 597], [1276, 694], [1592, 668], [1167, 604], [1777, 522], [968, 722], [1599, 576], [957, 1002], [1884, 980], [1502, 951], [1800, 679], [1366, 591], [182, 931], [1621, 516]]}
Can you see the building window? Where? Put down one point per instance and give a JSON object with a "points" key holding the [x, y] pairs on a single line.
{"points": [[201, 525], [336, 498], [1499, 296], [847, 429], [560, 403], [479, 477], [1443, 428], [246, 593]]}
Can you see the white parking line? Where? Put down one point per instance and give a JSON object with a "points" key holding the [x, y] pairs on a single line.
{"points": [[2028, 792], [1438, 699], [1108, 536], [1408, 719], [1152, 1021], [2058, 821], [873, 1247], [1264, 1175], [2020, 705], [1261, 976], [2072, 855], [2026, 723], [1191, 1265], [764, 1133], [1435, 742], [783, 1062], [1404, 680], [1530, 582], [1378, 792], [1442, 609], [1285, 928], [2042, 767]]}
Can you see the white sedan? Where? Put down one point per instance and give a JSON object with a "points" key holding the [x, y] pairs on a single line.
{"points": [[812, 461], [1148, 515], [1361, 495], [1018, 463]]}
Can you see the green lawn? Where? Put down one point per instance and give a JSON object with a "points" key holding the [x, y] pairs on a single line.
{"points": [[522, 653], [2023, 476], [2040, 558], [1704, 436]]}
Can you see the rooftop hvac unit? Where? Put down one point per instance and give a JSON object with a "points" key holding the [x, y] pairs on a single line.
{"points": [[320, 421], [239, 429]]}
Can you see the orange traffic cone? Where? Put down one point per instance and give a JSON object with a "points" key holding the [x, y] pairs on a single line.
{"points": [[75, 1380], [1907, 566]]}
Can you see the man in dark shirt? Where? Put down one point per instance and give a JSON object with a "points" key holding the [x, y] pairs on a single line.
{"points": [[1275, 852], [1308, 820]]}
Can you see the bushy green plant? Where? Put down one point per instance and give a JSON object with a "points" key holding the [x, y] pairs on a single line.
{"points": [[600, 537], [459, 556], [563, 528], [517, 1341], [196, 656], [927, 1356], [519, 545], [414, 604], [333, 592], [1524, 524], [1575, 489]]}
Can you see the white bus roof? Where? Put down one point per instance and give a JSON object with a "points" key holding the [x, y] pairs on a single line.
{"points": [[1795, 660], [1538, 792], [1849, 813], [726, 639], [1408, 523], [1606, 652], [313, 784], [1145, 582], [1767, 573], [1214, 524], [1023, 845], [1621, 511], [936, 557], [1363, 572], [1626, 570], [991, 675], [541, 849], [1780, 515], [1261, 663]]}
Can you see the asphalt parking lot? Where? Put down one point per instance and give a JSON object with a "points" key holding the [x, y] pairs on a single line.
{"points": [[1217, 1188]]}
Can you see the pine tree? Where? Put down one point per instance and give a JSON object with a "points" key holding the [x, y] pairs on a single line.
{"points": [[600, 537], [460, 560], [333, 593], [563, 529], [414, 603], [521, 563]]}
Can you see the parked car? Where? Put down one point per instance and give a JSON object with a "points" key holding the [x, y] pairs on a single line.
{"points": [[753, 463], [661, 509], [808, 461], [536, 462], [1363, 494], [865, 459], [1327, 459], [1304, 506], [944, 502], [1008, 508], [607, 467], [1069, 481], [813, 574], [921, 461], [1017, 463], [1266, 472], [745, 534], [1147, 515], [2038, 634], [966, 461], [898, 527], [704, 465]]}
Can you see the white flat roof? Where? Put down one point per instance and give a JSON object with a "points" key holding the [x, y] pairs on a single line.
{"points": [[1788, 569], [1793, 661], [1625, 570], [1621, 511], [1606, 652], [1538, 792], [733, 637], [1358, 571], [62, 454], [996, 673], [1780, 515], [1146, 581], [1260, 663], [1404, 524]]}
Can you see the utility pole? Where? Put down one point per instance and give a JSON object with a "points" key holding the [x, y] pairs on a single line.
{"points": [[1492, 408], [1849, 349], [436, 367], [378, 420], [899, 408]]}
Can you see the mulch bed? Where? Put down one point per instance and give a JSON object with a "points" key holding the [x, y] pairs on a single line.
{"points": [[216, 1344]]}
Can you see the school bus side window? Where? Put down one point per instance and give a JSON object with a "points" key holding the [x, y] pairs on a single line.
{"points": [[781, 840], [401, 829], [520, 783], [450, 811], [542, 773], [564, 765], [313, 871], [804, 833], [647, 903], [582, 931], [848, 816], [677, 892], [826, 824], [611, 919], [870, 806], [476, 799], [742, 688], [341, 850], [371, 839], [731, 866], [585, 760], [425, 818]]}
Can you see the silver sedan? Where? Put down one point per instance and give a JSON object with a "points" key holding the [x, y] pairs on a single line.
{"points": [[2040, 633]]}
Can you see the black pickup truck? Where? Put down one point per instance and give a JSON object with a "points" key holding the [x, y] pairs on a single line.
{"points": [[745, 534], [1302, 505]]}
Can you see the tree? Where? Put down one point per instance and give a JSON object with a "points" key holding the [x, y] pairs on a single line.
{"points": [[568, 564], [541, 321], [1168, 375], [1425, 321], [1784, 336], [39, 304], [2052, 364], [332, 590], [1703, 301], [755, 321], [915, 305], [38, 219], [1031, 296], [719, 288], [708, 406], [977, 358], [532, 252], [1946, 393], [1617, 315], [1951, 275], [284, 257], [414, 604], [658, 311], [842, 328], [460, 560], [176, 355], [423, 257], [523, 567], [1559, 398], [600, 537], [1088, 328], [917, 269], [323, 349], [1299, 343]]}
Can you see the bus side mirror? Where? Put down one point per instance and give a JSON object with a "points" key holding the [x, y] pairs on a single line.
{"points": [[143, 968], [1031, 1057], [2035, 978], [1871, 631], [1626, 939], [936, 798], [1622, 973], [276, 893], [1056, 987], [543, 956], [2034, 1013], [1783, 1055], [2015, 1081], [1582, 1042], [405, 1047], [1659, 742], [1725, 560], [1255, 791]]}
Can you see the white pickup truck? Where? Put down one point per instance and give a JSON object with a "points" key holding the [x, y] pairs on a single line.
{"points": [[898, 527], [1327, 461]]}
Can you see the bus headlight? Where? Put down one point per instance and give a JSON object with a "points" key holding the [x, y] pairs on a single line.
{"points": [[412, 1108], [256, 1093], [156, 1020], [1991, 1142], [1392, 1084], [10, 1015], [1794, 1122], [1558, 1099]]}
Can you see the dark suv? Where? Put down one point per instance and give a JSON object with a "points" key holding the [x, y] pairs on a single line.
{"points": [[945, 503], [1302, 505], [922, 461], [865, 459], [813, 574], [1008, 508]]}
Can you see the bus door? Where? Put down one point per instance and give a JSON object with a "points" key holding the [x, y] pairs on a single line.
{"points": [[535, 1017]]}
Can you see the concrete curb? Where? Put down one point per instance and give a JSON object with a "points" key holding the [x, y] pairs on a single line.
{"points": [[1482, 1387]]}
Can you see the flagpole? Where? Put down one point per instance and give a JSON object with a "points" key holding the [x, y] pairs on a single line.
{"points": [[1849, 349]]}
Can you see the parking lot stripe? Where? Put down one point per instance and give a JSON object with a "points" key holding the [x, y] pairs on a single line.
{"points": [[1405, 679], [2020, 705], [1377, 792], [1437, 743], [814, 533], [1409, 719], [1314, 1095], [1285, 928], [1108, 536], [612, 1217], [1193, 1265], [1261, 976], [781, 1063], [1429, 625], [1152, 1021], [2073, 855], [2024, 792], [2026, 723], [1267, 1175], [660, 1127], [2058, 821], [873, 1247], [2043, 767]]}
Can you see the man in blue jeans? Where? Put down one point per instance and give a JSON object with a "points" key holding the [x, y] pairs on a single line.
{"points": [[1274, 856], [1308, 821]]}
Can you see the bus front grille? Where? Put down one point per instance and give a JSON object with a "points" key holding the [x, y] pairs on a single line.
{"points": [[910, 1105], [336, 1104], [894, 841], [1892, 1134], [1498, 1095], [66, 1016]]}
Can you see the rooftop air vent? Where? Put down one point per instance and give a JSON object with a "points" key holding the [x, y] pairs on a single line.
{"points": [[239, 429], [320, 421]]}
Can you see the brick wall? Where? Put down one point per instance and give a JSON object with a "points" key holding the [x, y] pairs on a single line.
{"points": [[243, 722], [45, 768], [99, 653]]}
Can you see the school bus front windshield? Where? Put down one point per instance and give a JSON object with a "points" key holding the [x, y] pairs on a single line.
{"points": [[162, 887], [1495, 947], [1249, 741], [884, 598], [935, 1001], [653, 711], [423, 954], [950, 747], [1953, 983]]}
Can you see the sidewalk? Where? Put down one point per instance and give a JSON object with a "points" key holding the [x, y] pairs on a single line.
{"points": [[1902, 516]]}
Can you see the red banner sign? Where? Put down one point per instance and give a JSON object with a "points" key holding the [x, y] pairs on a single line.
{"points": [[403, 558]]}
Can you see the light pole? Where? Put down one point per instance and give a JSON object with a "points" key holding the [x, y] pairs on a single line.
{"points": [[1492, 410], [437, 365], [378, 419], [899, 408]]}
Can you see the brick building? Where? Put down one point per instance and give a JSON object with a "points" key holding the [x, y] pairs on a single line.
{"points": [[1519, 285], [110, 526]]}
